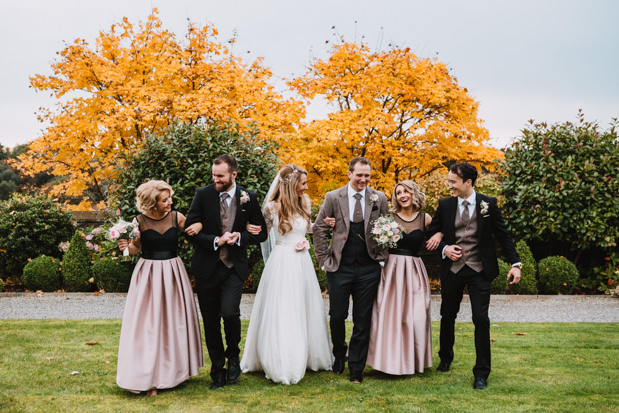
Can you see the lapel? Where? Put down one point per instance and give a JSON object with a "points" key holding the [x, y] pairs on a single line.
{"points": [[343, 203], [480, 221], [237, 201], [214, 200], [368, 206], [452, 210]]}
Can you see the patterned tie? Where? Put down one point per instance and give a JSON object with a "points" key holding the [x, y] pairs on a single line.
{"points": [[224, 203], [465, 214], [358, 213]]}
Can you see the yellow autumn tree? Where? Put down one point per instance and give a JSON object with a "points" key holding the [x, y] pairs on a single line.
{"points": [[406, 114], [136, 81]]}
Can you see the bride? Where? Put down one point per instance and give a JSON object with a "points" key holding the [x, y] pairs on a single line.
{"points": [[288, 330]]}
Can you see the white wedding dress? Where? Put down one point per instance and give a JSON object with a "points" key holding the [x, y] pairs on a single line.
{"points": [[288, 330]]}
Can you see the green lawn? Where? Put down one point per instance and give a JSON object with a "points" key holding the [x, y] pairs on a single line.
{"points": [[560, 367]]}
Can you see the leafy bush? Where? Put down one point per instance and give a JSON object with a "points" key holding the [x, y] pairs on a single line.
{"points": [[499, 284], [112, 275], [76, 265], [1, 285], [42, 273], [528, 272], [561, 189], [183, 158], [31, 226], [256, 274], [557, 275]]}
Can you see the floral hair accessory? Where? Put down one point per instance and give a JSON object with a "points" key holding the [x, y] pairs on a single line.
{"points": [[244, 197], [288, 179], [373, 198], [484, 207]]}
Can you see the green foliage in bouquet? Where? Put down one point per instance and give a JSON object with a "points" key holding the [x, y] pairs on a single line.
{"points": [[42, 273], [76, 265], [31, 226]]}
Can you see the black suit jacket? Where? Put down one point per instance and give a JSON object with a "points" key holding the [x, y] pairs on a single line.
{"points": [[488, 225], [205, 209]]}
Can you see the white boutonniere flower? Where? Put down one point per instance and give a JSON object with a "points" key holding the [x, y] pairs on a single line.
{"points": [[373, 198], [484, 207], [244, 197]]}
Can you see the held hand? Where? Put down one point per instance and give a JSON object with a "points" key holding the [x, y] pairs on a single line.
{"points": [[224, 239], [515, 272], [253, 229], [194, 228], [234, 237], [434, 241], [329, 221], [453, 252]]}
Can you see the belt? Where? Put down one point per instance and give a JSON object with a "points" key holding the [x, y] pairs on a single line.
{"points": [[401, 251], [159, 255]]}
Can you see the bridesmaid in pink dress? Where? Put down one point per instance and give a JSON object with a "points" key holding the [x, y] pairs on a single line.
{"points": [[401, 333], [160, 343]]}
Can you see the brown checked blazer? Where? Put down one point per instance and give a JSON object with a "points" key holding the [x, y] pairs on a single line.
{"points": [[328, 255]]}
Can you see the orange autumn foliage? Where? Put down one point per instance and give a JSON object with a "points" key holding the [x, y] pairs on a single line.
{"points": [[136, 81], [406, 114]]}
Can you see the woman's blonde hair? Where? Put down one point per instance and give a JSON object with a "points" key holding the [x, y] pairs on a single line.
{"points": [[147, 194], [287, 198], [418, 198]]}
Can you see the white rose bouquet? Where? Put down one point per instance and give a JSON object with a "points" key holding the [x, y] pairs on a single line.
{"points": [[124, 230], [387, 232]]}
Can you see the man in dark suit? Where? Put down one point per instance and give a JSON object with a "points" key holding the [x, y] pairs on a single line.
{"points": [[220, 263], [468, 221], [352, 261]]}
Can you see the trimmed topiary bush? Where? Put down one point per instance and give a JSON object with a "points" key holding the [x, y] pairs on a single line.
{"points": [[76, 265], [112, 275], [528, 279], [31, 226], [42, 273], [499, 284], [256, 274], [557, 275], [1, 285]]}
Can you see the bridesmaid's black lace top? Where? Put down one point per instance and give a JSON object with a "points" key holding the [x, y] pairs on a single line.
{"points": [[412, 237], [159, 236]]}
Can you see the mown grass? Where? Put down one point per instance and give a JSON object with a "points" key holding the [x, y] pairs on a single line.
{"points": [[557, 367]]}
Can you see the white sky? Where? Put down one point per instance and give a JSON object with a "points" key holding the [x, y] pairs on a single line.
{"points": [[524, 59]]}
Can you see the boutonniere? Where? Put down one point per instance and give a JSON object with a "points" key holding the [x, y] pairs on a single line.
{"points": [[484, 208], [373, 198], [244, 197]]}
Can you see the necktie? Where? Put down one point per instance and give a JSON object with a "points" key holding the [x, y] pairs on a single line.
{"points": [[224, 203], [358, 213], [465, 214]]}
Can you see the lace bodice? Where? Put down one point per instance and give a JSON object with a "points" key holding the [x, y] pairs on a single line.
{"points": [[159, 234], [299, 226]]}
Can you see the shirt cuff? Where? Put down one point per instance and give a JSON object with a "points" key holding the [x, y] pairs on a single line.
{"points": [[215, 246]]}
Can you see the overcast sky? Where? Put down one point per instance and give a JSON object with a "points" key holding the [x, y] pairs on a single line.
{"points": [[524, 59]]}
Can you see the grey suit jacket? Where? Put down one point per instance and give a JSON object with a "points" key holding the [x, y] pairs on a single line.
{"points": [[328, 255]]}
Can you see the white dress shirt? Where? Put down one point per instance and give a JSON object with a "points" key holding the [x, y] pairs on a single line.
{"points": [[352, 201]]}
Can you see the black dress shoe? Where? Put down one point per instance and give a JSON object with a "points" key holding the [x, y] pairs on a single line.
{"points": [[480, 383], [234, 370], [218, 381], [339, 365], [356, 377], [443, 367]]}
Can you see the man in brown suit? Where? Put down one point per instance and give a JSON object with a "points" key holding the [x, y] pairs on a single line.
{"points": [[352, 261]]}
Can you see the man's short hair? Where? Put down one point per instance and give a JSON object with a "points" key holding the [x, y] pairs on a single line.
{"points": [[465, 171], [227, 159], [356, 160]]}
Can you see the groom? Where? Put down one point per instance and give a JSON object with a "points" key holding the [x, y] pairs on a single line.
{"points": [[220, 262], [468, 221], [353, 263]]}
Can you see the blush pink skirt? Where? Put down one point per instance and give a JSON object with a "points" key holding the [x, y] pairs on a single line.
{"points": [[401, 333], [160, 342]]}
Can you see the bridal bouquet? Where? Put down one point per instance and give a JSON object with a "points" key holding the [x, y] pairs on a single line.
{"points": [[386, 231], [302, 246], [124, 230]]}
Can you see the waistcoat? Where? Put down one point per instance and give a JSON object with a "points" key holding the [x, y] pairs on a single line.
{"points": [[466, 237]]}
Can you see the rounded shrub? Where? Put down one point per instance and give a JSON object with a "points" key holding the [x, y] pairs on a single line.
{"points": [[1, 285], [42, 273], [31, 226], [528, 272], [112, 275], [499, 284], [76, 265], [256, 273], [557, 275]]}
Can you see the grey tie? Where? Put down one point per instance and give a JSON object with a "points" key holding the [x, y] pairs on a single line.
{"points": [[358, 212], [465, 214], [223, 207]]}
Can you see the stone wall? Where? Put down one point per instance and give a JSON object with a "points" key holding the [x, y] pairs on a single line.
{"points": [[86, 219]]}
